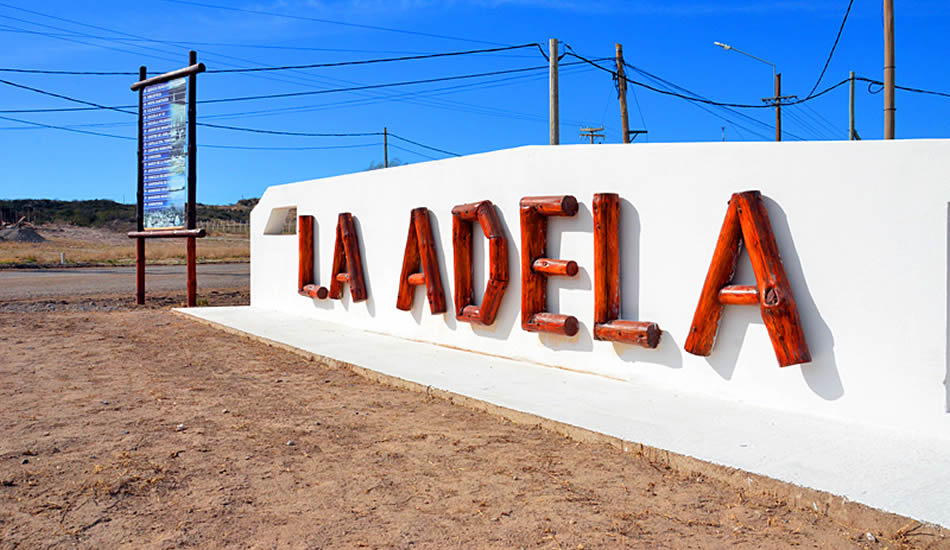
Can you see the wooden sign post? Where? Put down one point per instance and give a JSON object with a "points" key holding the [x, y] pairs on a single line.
{"points": [[167, 157]]}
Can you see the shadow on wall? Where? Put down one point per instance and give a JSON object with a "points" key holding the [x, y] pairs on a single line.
{"points": [[318, 304], [420, 298], [370, 300], [504, 322], [582, 222], [669, 353], [821, 374]]}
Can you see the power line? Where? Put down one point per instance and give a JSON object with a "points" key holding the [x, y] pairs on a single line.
{"points": [[96, 106], [123, 108], [833, 46], [191, 43], [76, 130], [416, 143], [333, 22], [905, 88], [206, 124], [671, 85], [206, 145], [394, 146], [371, 61], [377, 86], [280, 67], [287, 133], [431, 103], [699, 99]]}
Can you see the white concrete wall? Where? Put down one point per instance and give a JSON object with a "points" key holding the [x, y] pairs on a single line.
{"points": [[862, 227]]}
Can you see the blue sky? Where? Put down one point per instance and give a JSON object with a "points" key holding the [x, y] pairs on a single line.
{"points": [[670, 39]]}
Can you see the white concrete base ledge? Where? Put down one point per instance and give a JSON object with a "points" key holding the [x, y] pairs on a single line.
{"points": [[895, 471]]}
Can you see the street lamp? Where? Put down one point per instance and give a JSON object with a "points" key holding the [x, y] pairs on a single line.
{"points": [[727, 47], [777, 76]]}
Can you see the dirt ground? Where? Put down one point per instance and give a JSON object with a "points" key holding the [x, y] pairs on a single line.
{"points": [[125, 427], [101, 246]]}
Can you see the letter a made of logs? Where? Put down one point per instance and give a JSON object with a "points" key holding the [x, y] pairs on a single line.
{"points": [[420, 254], [747, 221], [463, 218], [607, 322], [536, 267], [306, 285], [347, 262]]}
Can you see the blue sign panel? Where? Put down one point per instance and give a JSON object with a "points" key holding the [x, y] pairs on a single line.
{"points": [[165, 154]]}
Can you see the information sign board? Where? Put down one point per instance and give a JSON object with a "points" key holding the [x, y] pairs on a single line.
{"points": [[165, 154]]}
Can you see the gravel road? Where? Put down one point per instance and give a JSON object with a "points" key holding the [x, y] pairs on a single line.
{"points": [[24, 284]]}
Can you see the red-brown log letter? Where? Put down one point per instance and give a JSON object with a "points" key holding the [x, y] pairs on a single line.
{"points": [[463, 217], [747, 221], [347, 262], [420, 253], [536, 267]]}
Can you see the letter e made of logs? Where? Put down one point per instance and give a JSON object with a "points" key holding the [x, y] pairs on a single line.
{"points": [[347, 262], [420, 265], [536, 267], [464, 217], [747, 221], [306, 283], [607, 322]]}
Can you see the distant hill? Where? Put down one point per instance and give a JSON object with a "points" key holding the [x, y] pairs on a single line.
{"points": [[106, 213]]}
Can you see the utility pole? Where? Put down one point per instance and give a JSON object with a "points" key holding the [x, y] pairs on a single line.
{"points": [[889, 108], [622, 92], [852, 132], [552, 84], [777, 101], [385, 148], [592, 133]]}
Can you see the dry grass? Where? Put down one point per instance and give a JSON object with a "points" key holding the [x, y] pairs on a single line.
{"points": [[111, 251]]}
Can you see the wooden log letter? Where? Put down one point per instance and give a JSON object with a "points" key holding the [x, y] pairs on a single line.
{"points": [[306, 285], [607, 322], [420, 254], [347, 262], [747, 221], [463, 218], [536, 267]]}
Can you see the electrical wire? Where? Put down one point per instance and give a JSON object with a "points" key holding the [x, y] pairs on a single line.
{"points": [[417, 144], [277, 68], [672, 85], [334, 22], [375, 86], [204, 145], [444, 104], [122, 108], [413, 152], [372, 61], [699, 99], [905, 88], [833, 46], [731, 112], [206, 124]]}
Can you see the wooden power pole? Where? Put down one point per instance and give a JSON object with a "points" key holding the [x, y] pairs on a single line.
{"points": [[777, 101], [622, 92], [552, 78], [889, 108], [592, 133], [385, 148], [852, 132]]}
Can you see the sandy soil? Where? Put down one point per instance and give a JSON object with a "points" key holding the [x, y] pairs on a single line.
{"points": [[101, 246], [28, 284], [135, 428]]}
